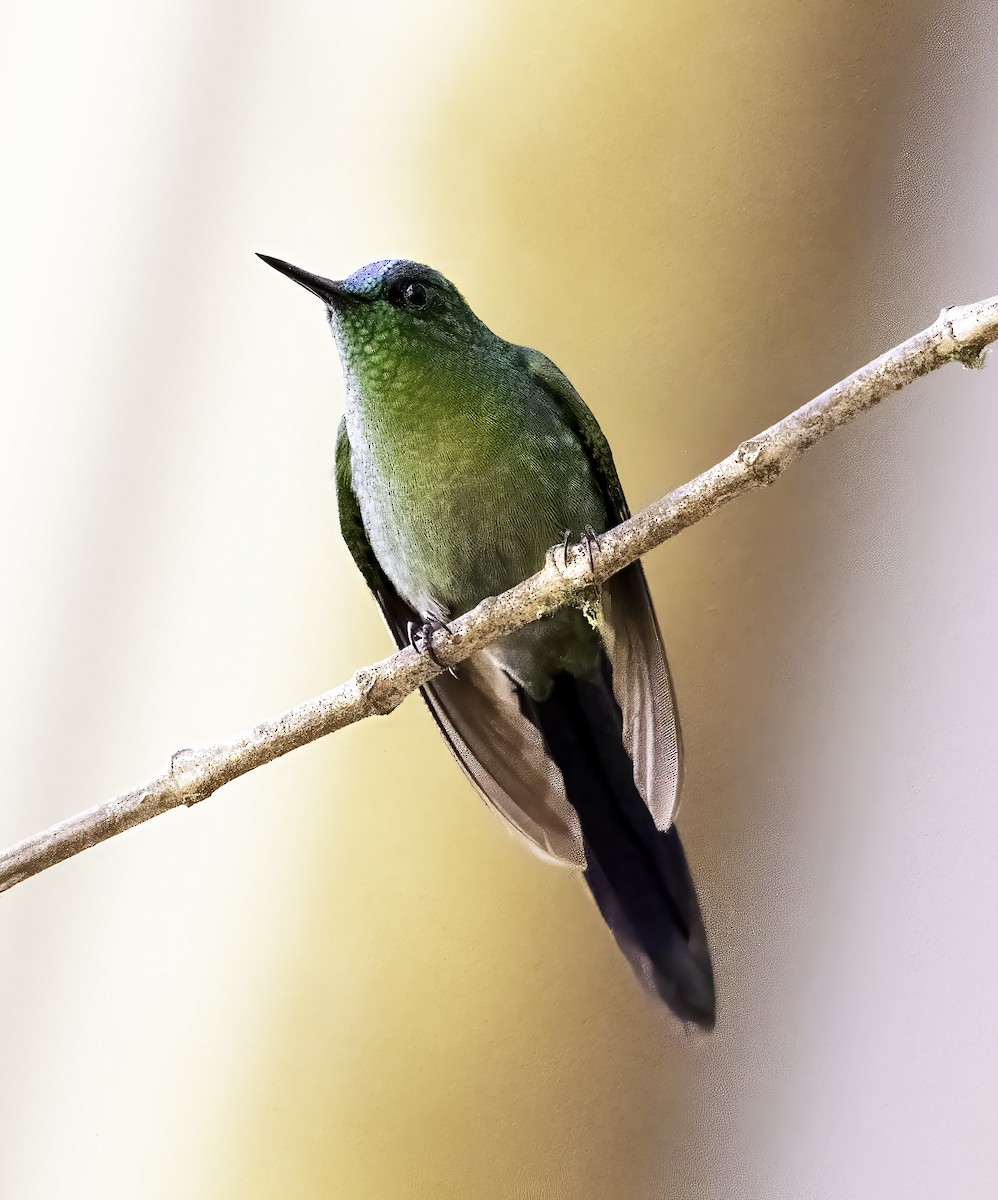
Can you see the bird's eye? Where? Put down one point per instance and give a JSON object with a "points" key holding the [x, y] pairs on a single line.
{"points": [[414, 295], [408, 294]]}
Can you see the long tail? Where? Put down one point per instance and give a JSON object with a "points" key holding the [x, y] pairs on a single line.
{"points": [[637, 874]]}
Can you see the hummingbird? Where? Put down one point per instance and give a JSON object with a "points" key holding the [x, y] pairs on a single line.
{"points": [[461, 460]]}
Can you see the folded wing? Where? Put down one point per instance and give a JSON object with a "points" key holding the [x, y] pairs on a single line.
{"points": [[641, 680]]}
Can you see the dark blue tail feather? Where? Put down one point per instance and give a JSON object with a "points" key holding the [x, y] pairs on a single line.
{"points": [[637, 874]]}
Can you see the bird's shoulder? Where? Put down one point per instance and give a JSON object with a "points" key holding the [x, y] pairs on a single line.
{"points": [[579, 417]]}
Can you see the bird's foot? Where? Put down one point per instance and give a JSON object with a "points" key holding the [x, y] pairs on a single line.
{"points": [[421, 640], [589, 538]]}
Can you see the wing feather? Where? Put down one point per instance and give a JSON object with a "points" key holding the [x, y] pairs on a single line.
{"points": [[642, 683], [643, 687]]}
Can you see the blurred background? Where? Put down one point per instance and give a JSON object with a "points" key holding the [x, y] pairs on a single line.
{"points": [[340, 977]]}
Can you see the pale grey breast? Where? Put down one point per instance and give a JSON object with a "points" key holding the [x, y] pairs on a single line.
{"points": [[463, 502]]}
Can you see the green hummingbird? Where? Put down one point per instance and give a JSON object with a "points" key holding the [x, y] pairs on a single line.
{"points": [[460, 460]]}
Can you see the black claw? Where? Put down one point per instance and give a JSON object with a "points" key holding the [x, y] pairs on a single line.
{"points": [[421, 640], [592, 539]]}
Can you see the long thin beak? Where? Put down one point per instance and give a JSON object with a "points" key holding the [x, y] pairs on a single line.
{"points": [[328, 290]]}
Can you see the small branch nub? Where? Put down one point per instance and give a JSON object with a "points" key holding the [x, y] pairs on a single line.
{"points": [[755, 454]]}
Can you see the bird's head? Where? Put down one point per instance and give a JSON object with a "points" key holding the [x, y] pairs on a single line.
{"points": [[390, 311]]}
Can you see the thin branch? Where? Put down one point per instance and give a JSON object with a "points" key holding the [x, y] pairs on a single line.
{"points": [[959, 335]]}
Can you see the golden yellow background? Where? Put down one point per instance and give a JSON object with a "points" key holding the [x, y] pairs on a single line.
{"points": [[339, 977]]}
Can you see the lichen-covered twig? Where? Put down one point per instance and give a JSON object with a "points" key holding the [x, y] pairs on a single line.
{"points": [[960, 334]]}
